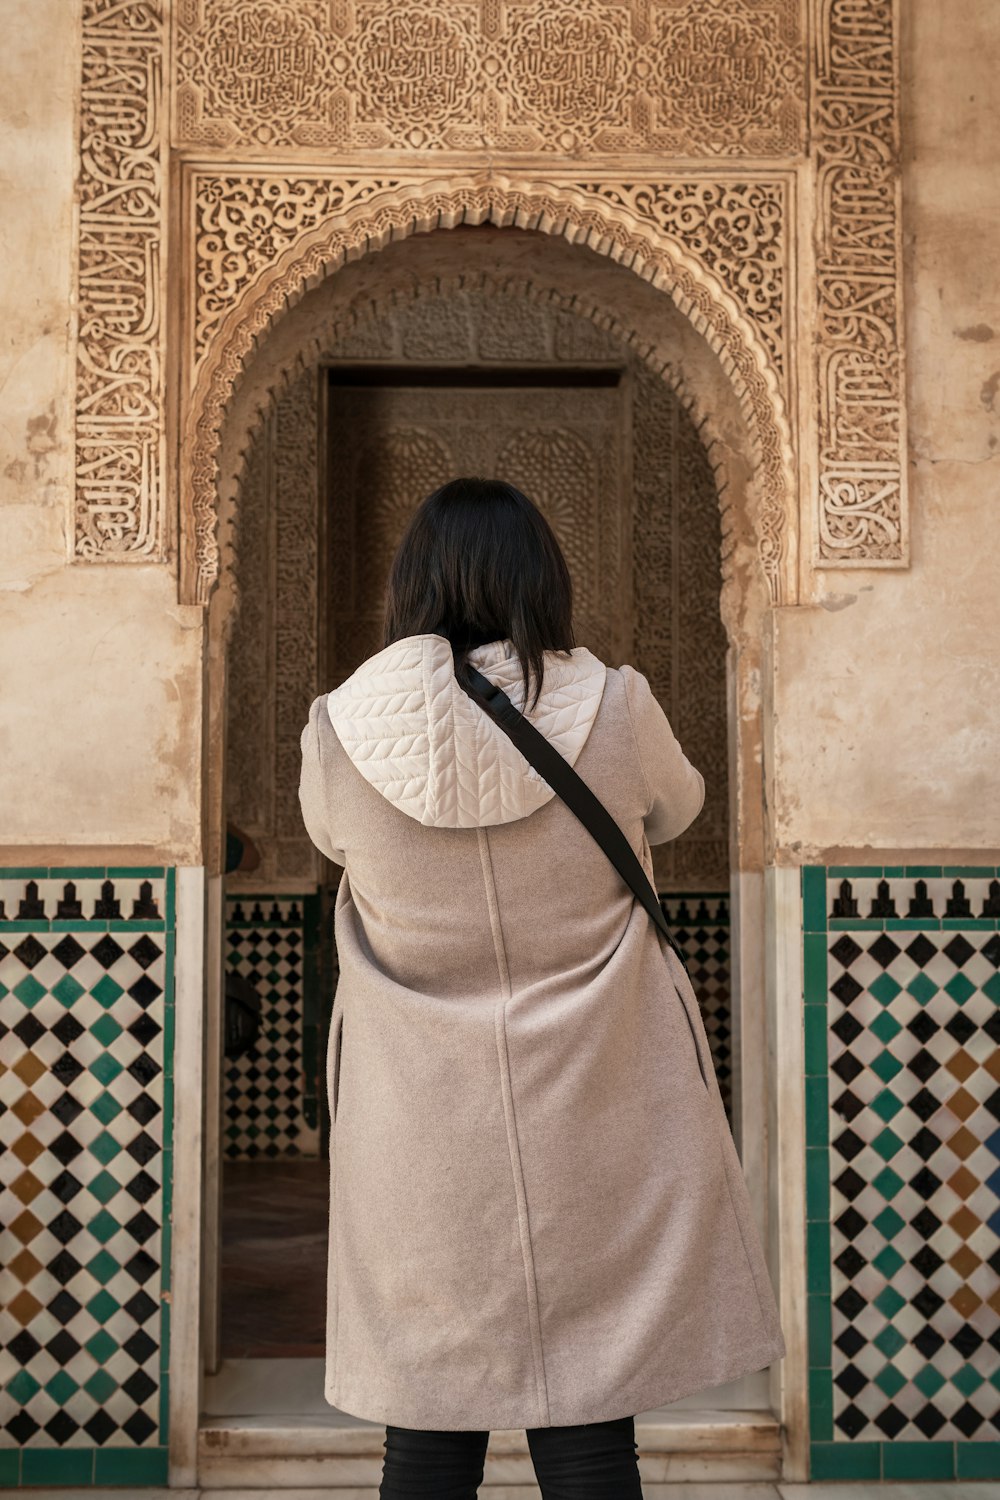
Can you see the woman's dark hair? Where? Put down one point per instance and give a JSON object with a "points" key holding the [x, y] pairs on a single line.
{"points": [[479, 562]]}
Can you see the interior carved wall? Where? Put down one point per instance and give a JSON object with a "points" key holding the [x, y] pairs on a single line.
{"points": [[387, 118], [632, 497]]}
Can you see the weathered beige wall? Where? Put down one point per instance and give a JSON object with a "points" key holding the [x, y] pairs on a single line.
{"points": [[100, 673], [887, 690], [886, 693]]}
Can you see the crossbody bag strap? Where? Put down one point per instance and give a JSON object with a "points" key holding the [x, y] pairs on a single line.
{"points": [[574, 791]]}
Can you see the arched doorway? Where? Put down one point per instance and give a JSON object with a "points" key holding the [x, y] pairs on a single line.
{"points": [[375, 348]]}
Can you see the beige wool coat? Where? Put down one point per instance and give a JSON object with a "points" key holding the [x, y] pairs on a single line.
{"points": [[538, 1217]]}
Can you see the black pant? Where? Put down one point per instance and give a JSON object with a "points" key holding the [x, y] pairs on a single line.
{"points": [[593, 1461]]}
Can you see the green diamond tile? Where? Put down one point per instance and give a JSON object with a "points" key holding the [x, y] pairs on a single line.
{"points": [[888, 1261], [885, 1066], [22, 1387], [106, 1030], [968, 1379], [102, 1307], [102, 1267], [100, 1386], [104, 1187], [922, 988], [101, 1346], [991, 987], [107, 991], [887, 1143], [888, 1223], [29, 991], [888, 1183], [889, 1301], [889, 1341], [886, 1105], [104, 1147], [61, 1387], [67, 990], [105, 1068], [959, 987], [929, 1381], [884, 988], [102, 1226], [885, 1027], [890, 1380], [105, 1107]]}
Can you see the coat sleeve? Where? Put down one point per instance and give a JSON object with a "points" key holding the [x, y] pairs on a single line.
{"points": [[675, 789], [313, 786]]}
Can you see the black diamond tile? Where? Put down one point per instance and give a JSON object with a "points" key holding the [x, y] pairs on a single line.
{"points": [[925, 1183], [139, 1387], [65, 1148], [845, 950], [921, 950], [847, 1067], [107, 951], [849, 1262], [890, 1420], [140, 1347], [63, 1267], [145, 990], [142, 1227], [68, 951], [925, 1143], [923, 1027], [63, 1307], [968, 1340], [67, 1069], [959, 950], [926, 1223], [846, 1029], [66, 1186], [64, 1227], [850, 1342], [848, 1143], [992, 1028], [929, 1420], [850, 1303], [991, 950], [924, 1104], [30, 951], [961, 1028], [22, 1428], [66, 1109], [143, 1109], [851, 1381], [63, 1347], [140, 1307], [61, 1427], [145, 1030], [143, 1148], [141, 1267], [851, 1421], [846, 988], [993, 1104], [924, 1065], [850, 1223], [145, 951], [139, 1427], [927, 1302], [29, 1029], [849, 1183], [142, 1187], [968, 1420], [883, 950], [848, 1106], [67, 1029], [100, 1427], [143, 1069], [24, 1346]]}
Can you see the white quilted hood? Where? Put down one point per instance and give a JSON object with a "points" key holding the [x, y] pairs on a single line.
{"points": [[421, 741]]}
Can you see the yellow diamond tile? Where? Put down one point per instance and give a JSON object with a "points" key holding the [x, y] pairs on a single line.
{"points": [[994, 1301], [962, 1104], [24, 1307], [26, 1148], [25, 1227], [29, 1068], [24, 1266], [963, 1143], [962, 1066], [26, 1187], [28, 1108], [992, 1065], [963, 1183], [965, 1261], [965, 1301], [964, 1222]]}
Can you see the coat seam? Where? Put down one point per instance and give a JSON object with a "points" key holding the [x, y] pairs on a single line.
{"points": [[510, 1123]]}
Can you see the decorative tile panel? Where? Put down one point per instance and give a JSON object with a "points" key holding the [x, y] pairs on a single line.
{"points": [[700, 924], [902, 1037], [86, 1036], [270, 1091]]}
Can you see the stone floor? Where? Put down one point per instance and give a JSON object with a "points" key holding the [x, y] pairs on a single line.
{"points": [[274, 1228], [519, 1492]]}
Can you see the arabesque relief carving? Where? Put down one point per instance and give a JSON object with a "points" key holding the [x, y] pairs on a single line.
{"points": [[373, 94], [684, 77]]}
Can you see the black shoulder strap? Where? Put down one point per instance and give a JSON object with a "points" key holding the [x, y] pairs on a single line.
{"points": [[573, 790]]}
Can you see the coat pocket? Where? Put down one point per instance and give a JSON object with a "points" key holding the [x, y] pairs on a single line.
{"points": [[336, 1048]]}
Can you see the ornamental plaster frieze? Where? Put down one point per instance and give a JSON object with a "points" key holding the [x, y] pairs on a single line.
{"points": [[384, 90]]}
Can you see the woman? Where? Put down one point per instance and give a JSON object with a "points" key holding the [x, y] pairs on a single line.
{"points": [[538, 1218]]}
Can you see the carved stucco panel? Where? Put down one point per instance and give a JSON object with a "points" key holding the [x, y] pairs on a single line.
{"points": [[695, 78]]}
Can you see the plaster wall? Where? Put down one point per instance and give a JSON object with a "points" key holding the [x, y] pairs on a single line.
{"points": [[885, 700], [100, 671]]}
